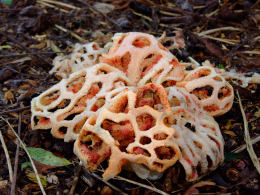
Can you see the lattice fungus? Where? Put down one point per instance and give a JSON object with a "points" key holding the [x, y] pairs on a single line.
{"points": [[132, 130], [142, 57], [137, 105], [144, 127], [66, 106], [82, 56], [197, 134], [215, 95]]}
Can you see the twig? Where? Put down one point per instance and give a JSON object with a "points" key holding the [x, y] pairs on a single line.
{"points": [[7, 157], [251, 52], [61, 4], [143, 16], [52, 6], [106, 182], [24, 147], [242, 147], [249, 144], [141, 185], [227, 28], [15, 110], [212, 13], [16, 157], [169, 13], [193, 61], [72, 33], [229, 41], [75, 180]]}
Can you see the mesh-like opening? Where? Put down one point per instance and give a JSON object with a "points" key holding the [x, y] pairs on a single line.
{"points": [[145, 140], [174, 101], [119, 62], [190, 127], [168, 83], [49, 98], [203, 72], [164, 152], [63, 130], [63, 104], [169, 121], [203, 92], [149, 61], [122, 132], [224, 92], [90, 145], [160, 136], [139, 150], [41, 120], [98, 104], [79, 125], [141, 42], [145, 122], [76, 84], [211, 108]]}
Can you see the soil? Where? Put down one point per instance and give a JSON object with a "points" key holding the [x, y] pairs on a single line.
{"points": [[33, 32]]}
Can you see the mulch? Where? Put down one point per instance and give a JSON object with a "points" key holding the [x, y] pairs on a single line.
{"points": [[33, 32]]}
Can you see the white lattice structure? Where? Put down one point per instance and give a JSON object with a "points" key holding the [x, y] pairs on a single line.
{"points": [[133, 129], [197, 134], [213, 92], [82, 56], [114, 114], [142, 57], [66, 106]]}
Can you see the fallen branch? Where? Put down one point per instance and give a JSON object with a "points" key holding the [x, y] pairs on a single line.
{"points": [[249, 144]]}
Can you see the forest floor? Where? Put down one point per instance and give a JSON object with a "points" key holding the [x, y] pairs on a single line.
{"points": [[32, 33]]}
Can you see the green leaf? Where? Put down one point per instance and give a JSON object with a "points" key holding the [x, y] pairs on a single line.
{"points": [[7, 2], [232, 156], [47, 158], [26, 164], [221, 66]]}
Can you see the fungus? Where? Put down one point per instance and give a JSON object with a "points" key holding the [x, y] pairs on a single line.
{"points": [[81, 57], [136, 105]]}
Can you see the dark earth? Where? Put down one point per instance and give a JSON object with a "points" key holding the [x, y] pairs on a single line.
{"points": [[33, 32]]}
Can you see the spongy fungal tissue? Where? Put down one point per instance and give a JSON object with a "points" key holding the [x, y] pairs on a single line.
{"points": [[136, 105]]}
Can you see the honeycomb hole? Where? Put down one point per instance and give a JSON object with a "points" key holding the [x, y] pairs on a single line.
{"points": [[141, 42], [164, 152], [203, 92], [145, 140], [145, 121]]}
